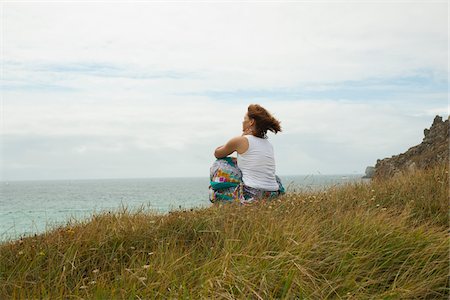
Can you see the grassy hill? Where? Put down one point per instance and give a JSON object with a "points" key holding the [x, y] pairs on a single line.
{"points": [[387, 239]]}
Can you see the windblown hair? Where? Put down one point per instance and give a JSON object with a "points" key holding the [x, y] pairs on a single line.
{"points": [[264, 121]]}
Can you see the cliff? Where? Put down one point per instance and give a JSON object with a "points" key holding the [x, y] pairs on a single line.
{"points": [[433, 150]]}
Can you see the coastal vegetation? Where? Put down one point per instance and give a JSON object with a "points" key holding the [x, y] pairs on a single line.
{"points": [[386, 239]]}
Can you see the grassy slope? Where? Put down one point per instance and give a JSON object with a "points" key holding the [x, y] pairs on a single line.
{"points": [[387, 239]]}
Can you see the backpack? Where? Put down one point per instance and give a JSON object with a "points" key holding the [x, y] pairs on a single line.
{"points": [[225, 180]]}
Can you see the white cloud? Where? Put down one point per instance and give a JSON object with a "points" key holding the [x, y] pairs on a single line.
{"points": [[248, 44], [133, 89], [325, 137]]}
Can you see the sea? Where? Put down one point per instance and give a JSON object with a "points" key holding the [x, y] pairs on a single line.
{"points": [[33, 207]]}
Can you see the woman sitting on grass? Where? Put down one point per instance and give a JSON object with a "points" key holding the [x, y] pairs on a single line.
{"points": [[254, 176]]}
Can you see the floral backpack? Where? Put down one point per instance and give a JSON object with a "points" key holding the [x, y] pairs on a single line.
{"points": [[225, 180]]}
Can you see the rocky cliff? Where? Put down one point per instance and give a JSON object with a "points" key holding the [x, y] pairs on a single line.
{"points": [[434, 149]]}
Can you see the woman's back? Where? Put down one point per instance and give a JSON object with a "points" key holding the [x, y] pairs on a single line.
{"points": [[258, 164]]}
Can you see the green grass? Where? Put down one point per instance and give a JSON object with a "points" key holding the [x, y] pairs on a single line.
{"points": [[383, 240]]}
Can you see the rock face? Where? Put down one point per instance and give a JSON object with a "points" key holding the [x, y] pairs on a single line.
{"points": [[370, 171], [434, 149]]}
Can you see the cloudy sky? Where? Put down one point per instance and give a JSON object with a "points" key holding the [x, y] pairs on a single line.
{"points": [[149, 89]]}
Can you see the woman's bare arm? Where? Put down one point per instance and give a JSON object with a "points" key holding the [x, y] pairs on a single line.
{"points": [[231, 146]]}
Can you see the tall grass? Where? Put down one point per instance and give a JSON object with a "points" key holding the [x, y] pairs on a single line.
{"points": [[387, 239]]}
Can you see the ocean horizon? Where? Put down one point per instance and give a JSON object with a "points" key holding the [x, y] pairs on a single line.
{"points": [[34, 206]]}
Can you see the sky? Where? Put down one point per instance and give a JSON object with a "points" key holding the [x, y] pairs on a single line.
{"points": [[116, 89]]}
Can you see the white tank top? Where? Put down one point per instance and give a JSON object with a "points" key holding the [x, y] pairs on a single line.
{"points": [[258, 164]]}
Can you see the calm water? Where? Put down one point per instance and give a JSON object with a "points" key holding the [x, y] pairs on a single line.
{"points": [[28, 207]]}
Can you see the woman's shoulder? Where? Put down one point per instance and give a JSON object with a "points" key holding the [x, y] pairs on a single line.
{"points": [[257, 138], [239, 138], [247, 138], [241, 143], [238, 142]]}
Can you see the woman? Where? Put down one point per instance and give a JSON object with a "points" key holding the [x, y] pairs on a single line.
{"points": [[255, 156]]}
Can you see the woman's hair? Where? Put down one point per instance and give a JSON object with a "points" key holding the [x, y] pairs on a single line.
{"points": [[263, 120]]}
